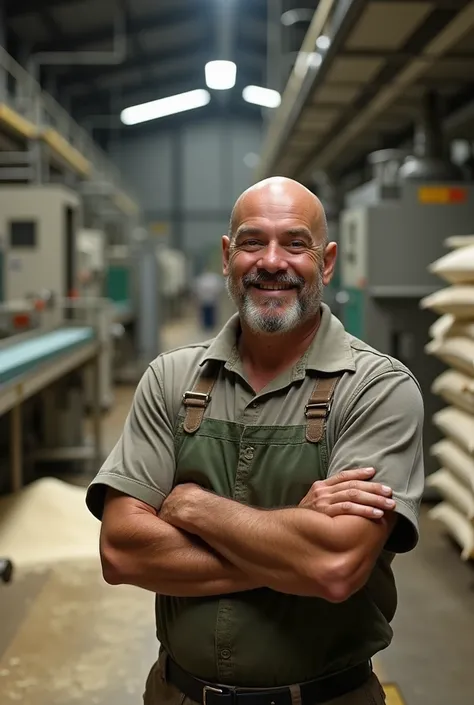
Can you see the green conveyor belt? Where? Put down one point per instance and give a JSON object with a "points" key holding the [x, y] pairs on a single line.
{"points": [[21, 357]]}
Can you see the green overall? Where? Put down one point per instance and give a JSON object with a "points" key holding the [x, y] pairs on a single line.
{"points": [[262, 638]]}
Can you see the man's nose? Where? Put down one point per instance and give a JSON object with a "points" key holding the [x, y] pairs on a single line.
{"points": [[272, 259]]}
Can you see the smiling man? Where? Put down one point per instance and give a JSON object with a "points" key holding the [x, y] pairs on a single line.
{"points": [[264, 481]]}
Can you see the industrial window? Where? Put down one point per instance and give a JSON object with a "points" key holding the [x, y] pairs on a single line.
{"points": [[23, 233]]}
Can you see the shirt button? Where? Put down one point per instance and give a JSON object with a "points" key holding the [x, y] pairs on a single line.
{"points": [[249, 453], [225, 653], [254, 404]]}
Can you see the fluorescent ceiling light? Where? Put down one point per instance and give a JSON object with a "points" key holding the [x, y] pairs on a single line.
{"points": [[220, 75], [165, 106], [266, 97], [323, 42], [298, 15]]}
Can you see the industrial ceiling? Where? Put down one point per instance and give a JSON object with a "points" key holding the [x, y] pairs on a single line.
{"points": [[363, 92], [100, 56]]}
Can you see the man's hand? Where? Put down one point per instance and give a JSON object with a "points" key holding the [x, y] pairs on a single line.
{"points": [[179, 502], [350, 493]]}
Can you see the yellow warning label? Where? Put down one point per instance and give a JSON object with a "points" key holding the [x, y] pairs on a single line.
{"points": [[393, 695], [442, 194]]}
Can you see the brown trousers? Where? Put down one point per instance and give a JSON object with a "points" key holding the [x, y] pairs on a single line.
{"points": [[159, 692]]}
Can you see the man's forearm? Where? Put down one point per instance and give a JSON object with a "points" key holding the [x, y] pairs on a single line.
{"points": [[290, 550], [156, 556]]}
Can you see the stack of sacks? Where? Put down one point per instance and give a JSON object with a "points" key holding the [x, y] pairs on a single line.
{"points": [[452, 341]]}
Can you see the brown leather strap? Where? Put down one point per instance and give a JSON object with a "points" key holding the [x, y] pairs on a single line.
{"points": [[318, 406], [196, 401]]}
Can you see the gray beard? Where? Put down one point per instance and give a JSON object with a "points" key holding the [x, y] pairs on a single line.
{"points": [[268, 317]]}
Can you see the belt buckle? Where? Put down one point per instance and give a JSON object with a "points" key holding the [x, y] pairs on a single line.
{"points": [[209, 689]]}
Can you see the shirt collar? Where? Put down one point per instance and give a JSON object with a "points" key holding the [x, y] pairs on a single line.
{"points": [[329, 352]]}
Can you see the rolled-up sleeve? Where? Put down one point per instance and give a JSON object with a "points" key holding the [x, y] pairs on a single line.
{"points": [[382, 427], [142, 463]]}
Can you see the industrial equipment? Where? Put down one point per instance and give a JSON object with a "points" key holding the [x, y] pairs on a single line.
{"points": [[91, 262], [42, 399], [391, 230], [38, 225], [173, 280]]}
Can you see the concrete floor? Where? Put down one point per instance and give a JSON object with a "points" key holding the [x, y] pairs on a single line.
{"points": [[67, 638]]}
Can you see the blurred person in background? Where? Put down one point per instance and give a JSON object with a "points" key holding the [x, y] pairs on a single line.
{"points": [[208, 287]]}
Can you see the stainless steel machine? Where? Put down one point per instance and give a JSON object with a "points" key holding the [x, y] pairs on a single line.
{"points": [[391, 229]]}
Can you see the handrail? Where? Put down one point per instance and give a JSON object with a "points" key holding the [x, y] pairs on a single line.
{"points": [[41, 109]]}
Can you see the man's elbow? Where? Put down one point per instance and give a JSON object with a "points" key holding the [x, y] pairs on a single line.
{"points": [[342, 577], [114, 564]]}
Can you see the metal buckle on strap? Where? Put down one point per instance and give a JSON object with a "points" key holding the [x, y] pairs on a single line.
{"points": [[189, 397], [324, 405], [208, 688]]}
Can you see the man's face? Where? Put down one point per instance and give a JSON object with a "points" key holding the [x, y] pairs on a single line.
{"points": [[275, 265]]}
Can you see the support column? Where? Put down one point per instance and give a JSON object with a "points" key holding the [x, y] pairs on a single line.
{"points": [[177, 186]]}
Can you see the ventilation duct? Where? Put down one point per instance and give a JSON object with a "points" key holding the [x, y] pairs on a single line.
{"points": [[430, 160]]}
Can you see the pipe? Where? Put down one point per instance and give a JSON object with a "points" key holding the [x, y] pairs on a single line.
{"points": [[85, 58], [225, 30], [274, 45], [429, 140]]}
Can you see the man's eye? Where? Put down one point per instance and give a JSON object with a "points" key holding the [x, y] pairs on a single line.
{"points": [[251, 243], [297, 243]]}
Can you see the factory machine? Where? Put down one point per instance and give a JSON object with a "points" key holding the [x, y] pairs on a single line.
{"points": [[173, 281], [391, 229], [38, 225], [90, 249], [51, 271]]}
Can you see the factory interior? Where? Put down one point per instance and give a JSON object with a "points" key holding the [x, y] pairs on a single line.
{"points": [[128, 128]]}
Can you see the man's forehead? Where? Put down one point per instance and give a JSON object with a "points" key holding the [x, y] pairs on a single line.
{"points": [[262, 226]]}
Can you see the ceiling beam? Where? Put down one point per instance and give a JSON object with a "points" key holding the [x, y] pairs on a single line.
{"points": [[16, 8], [51, 25], [195, 49], [144, 61], [438, 4], [169, 20]]}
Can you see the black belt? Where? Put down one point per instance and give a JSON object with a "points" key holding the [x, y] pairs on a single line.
{"points": [[312, 692]]}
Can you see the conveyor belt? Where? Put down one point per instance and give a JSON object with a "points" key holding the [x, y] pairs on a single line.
{"points": [[21, 357]]}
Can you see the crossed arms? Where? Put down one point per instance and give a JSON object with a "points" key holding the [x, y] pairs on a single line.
{"points": [[200, 544]]}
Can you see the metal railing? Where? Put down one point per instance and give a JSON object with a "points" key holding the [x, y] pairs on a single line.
{"points": [[24, 95]]}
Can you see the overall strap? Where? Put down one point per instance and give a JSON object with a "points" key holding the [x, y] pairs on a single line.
{"points": [[318, 407], [196, 402]]}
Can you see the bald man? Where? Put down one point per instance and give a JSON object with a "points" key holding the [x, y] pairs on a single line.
{"points": [[264, 482]]}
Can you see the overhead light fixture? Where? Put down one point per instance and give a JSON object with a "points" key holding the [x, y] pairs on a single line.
{"points": [[323, 42], [291, 17], [314, 60], [266, 97], [220, 75], [165, 106]]}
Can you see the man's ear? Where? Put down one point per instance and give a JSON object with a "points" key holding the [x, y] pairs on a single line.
{"points": [[225, 254], [330, 256]]}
